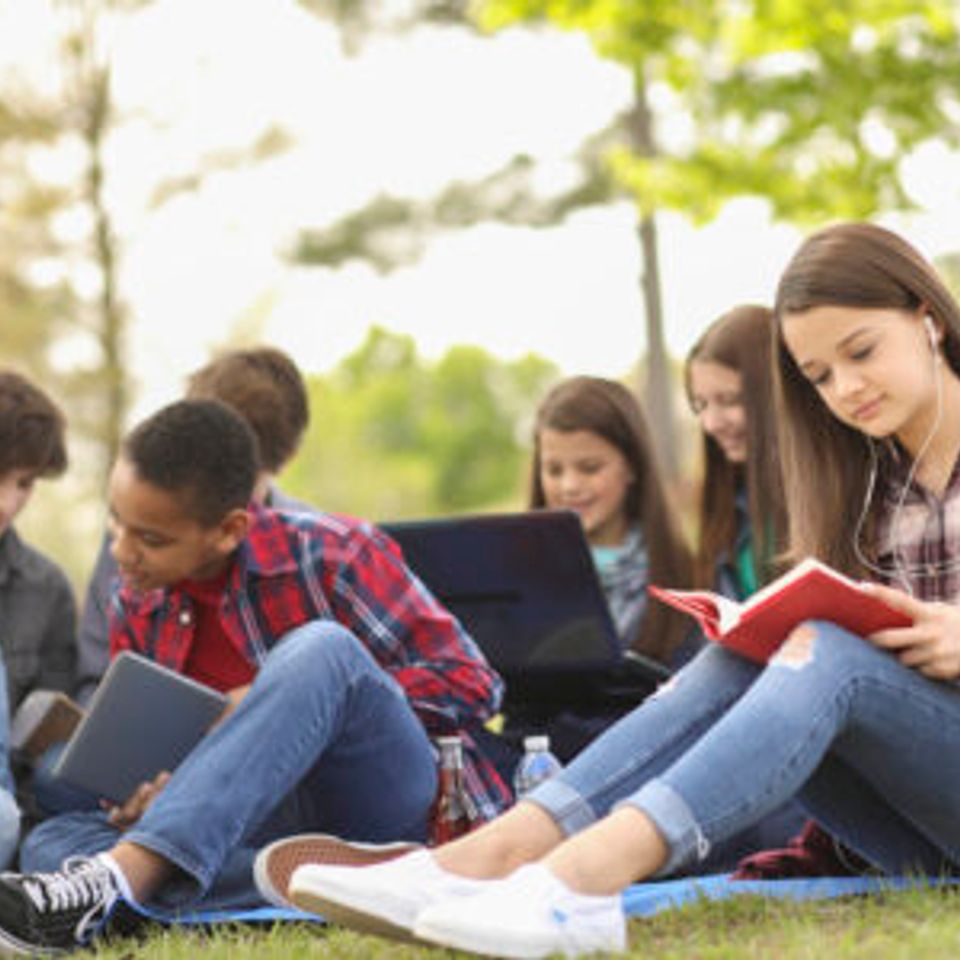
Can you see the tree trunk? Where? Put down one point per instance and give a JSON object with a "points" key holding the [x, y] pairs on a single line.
{"points": [[91, 93], [110, 310], [657, 389]]}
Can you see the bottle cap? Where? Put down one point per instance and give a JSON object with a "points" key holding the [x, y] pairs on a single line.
{"points": [[538, 741]]}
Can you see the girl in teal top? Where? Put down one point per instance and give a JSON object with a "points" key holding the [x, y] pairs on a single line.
{"points": [[593, 454]]}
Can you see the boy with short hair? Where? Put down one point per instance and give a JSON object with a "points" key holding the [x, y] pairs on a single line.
{"points": [[36, 602], [339, 662], [266, 388]]}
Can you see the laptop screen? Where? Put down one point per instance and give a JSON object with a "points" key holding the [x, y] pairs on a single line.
{"points": [[522, 584]]}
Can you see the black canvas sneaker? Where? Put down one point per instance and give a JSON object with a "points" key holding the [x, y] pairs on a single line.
{"points": [[50, 913]]}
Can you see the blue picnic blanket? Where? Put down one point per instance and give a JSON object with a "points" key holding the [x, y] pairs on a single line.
{"points": [[202, 918], [640, 900], [644, 899]]}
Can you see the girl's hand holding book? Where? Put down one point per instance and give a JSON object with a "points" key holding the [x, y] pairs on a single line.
{"points": [[932, 644]]}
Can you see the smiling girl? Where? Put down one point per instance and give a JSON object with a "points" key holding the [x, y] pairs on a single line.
{"points": [[593, 454], [864, 730]]}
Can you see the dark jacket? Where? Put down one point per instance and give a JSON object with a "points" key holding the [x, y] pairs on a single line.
{"points": [[37, 620]]}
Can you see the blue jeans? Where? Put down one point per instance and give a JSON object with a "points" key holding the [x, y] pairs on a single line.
{"points": [[871, 749], [324, 740], [9, 811], [52, 794]]}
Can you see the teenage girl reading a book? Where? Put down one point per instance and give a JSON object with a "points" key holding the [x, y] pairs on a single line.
{"points": [[863, 729], [593, 454]]}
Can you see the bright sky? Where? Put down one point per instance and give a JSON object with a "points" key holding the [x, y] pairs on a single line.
{"points": [[406, 117]]}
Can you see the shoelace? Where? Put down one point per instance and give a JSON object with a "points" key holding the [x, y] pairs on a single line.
{"points": [[84, 887]]}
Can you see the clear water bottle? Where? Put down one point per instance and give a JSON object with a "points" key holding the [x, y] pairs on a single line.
{"points": [[536, 765]]}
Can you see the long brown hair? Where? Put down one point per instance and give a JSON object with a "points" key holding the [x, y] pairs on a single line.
{"points": [[827, 463], [611, 411], [741, 340]]}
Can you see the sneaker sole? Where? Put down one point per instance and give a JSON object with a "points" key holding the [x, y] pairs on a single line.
{"points": [[485, 944], [490, 943], [12, 947], [275, 863], [353, 918]]}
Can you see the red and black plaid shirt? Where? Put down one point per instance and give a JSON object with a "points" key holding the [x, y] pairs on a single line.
{"points": [[294, 568]]}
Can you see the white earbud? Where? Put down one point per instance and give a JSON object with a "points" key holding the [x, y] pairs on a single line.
{"points": [[931, 334]]}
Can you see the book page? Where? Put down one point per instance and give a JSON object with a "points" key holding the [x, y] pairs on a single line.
{"points": [[729, 612]]}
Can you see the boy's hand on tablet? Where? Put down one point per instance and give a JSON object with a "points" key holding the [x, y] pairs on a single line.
{"points": [[124, 816]]}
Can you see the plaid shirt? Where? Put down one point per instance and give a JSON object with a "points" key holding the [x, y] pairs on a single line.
{"points": [[294, 568], [919, 542]]}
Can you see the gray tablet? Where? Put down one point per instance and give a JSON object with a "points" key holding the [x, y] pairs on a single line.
{"points": [[143, 718]]}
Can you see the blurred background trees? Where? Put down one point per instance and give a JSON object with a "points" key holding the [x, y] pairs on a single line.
{"points": [[815, 107], [812, 105], [394, 435], [56, 135]]}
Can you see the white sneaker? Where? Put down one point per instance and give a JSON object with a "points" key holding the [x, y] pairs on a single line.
{"points": [[385, 898], [531, 913]]}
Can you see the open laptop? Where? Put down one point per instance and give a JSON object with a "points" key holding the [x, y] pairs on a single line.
{"points": [[525, 588]]}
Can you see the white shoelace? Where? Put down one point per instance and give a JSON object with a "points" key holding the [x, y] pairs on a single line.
{"points": [[65, 890]]}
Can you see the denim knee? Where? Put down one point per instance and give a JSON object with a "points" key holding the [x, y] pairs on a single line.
{"points": [[821, 650], [80, 833], [320, 647]]}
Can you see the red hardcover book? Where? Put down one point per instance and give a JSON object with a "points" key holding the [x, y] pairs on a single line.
{"points": [[756, 627]]}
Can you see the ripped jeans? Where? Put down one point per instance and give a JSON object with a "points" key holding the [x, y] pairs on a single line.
{"points": [[869, 747]]}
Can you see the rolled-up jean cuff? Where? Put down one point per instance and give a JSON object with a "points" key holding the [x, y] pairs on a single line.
{"points": [[674, 821], [564, 804], [186, 885]]}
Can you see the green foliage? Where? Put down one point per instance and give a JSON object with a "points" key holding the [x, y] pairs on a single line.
{"points": [[270, 143], [948, 266], [32, 313], [359, 20], [391, 232], [394, 436], [809, 104]]}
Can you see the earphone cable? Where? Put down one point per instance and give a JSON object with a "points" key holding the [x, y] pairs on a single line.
{"points": [[901, 570]]}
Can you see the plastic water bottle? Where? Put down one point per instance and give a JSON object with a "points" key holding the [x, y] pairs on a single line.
{"points": [[536, 765]]}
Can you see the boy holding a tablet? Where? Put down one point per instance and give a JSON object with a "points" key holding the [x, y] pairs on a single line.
{"points": [[338, 663]]}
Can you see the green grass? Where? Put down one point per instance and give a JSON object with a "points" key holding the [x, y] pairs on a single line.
{"points": [[912, 925]]}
